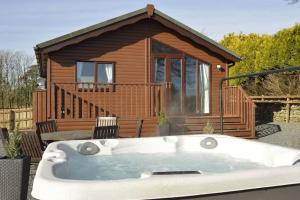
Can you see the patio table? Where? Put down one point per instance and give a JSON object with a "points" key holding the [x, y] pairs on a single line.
{"points": [[67, 135]]}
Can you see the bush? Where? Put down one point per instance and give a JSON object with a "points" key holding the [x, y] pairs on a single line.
{"points": [[208, 129], [13, 145], [263, 52], [162, 119]]}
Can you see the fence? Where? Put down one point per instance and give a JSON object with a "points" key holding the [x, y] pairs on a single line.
{"points": [[21, 117], [286, 100], [89, 100]]}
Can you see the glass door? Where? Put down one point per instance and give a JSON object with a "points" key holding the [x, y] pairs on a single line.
{"points": [[191, 86], [197, 86], [168, 70], [175, 86], [187, 80]]}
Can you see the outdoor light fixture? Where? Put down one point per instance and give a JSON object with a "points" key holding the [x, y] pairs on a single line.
{"points": [[41, 83], [219, 68]]}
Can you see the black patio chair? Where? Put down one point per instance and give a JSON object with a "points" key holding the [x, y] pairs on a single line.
{"points": [[105, 132], [30, 146], [45, 127]]}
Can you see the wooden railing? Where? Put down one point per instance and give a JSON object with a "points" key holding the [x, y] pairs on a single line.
{"points": [[89, 100], [238, 103], [287, 99]]}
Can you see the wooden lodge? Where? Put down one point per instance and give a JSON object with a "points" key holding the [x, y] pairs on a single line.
{"points": [[136, 66]]}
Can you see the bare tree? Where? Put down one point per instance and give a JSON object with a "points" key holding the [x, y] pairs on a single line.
{"points": [[282, 84], [13, 66]]}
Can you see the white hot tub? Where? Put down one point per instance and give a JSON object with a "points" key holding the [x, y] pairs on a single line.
{"points": [[191, 166]]}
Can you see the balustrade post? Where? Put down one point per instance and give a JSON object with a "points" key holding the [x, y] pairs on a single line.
{"points": [[53, 98]]}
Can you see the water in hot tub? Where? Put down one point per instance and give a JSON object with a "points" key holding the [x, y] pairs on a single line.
{"points": [[124, 166]]}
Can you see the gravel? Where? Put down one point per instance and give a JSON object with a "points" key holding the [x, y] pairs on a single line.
{"points": [[289, 136]]}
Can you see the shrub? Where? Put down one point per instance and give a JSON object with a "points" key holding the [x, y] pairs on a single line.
{"points": [[13, 145], [208, 129], [162, 119]]}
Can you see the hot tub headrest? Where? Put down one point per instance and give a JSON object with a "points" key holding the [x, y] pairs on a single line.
{"points": [[209, 143], [88, 148]]}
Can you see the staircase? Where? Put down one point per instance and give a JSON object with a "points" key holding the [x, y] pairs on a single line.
{"points": [[239, 117]]}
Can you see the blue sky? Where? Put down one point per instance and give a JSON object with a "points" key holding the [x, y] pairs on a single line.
{"points": [[23, 24]]}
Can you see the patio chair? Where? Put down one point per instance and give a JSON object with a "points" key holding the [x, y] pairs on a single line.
{"points": [[30, 146], [139, 126], [3, 140], [105, 132], [45, 127], [3, 133], [106, 121]]}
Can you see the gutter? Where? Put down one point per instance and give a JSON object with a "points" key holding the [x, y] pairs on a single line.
{"points": [[231, 64]]}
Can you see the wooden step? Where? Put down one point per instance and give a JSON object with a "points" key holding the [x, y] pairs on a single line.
{"points": [[197, 127], [233, 125], [237, 133], [199, 120]]}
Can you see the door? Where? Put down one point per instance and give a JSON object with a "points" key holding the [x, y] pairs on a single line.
{"points": [[197, 87], [175, 93], [191, 86], [187, 81], [168, 69]]}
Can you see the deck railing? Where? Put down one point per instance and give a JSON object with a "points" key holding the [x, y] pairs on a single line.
{"points": [[89, 100], [237, 103]]}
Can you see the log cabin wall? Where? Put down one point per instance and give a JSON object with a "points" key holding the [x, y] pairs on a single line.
{"points": [[173, 39], [129, 48]]}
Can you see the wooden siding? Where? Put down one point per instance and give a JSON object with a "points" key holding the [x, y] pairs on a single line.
{"points": [[39, 106], [125, 47], [129, 48], [181, 43]]}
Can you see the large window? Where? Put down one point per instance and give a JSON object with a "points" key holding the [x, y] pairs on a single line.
{"points": [[159, 70], [105, 73], [85, 72], [197, 86], [191, 85], [158, 47], [204, 89], [94, 72]]}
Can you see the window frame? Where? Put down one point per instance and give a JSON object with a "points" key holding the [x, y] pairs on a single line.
{"points": [[95, 80], [182, 54]]}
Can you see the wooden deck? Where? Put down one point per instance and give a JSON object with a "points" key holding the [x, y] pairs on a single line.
{"points": [[76, 106]]}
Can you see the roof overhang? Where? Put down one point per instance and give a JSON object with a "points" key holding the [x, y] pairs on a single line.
{"points": [[131, 18]]}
